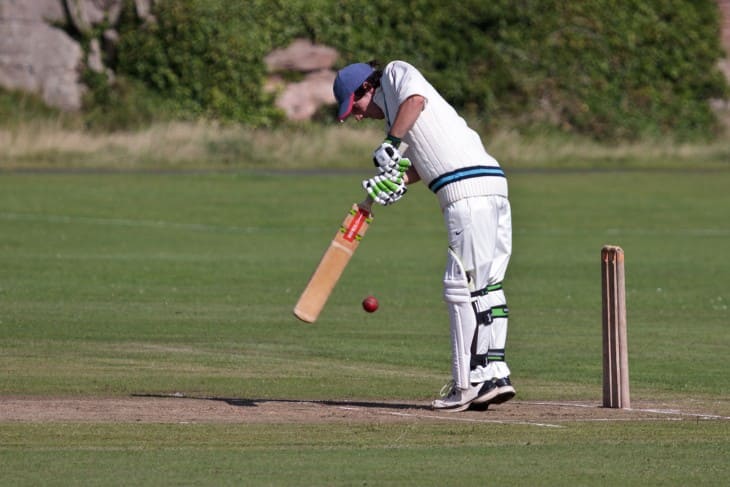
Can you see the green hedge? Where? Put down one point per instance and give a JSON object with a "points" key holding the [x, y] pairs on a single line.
{"points": [[627, 67], [204, 57], [603, 67]]}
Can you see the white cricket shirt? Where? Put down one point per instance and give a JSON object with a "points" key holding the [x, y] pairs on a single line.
{"points": [[447, 154]]}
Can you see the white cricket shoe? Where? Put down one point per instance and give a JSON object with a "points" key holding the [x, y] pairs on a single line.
{"points": [[455, 399]]}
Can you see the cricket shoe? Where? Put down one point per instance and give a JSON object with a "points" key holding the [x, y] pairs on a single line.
{"points": [[505, 390], [494, 392], [455, 399]]}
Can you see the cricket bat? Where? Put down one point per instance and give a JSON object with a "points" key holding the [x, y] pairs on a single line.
{"points": [[334, 261]]}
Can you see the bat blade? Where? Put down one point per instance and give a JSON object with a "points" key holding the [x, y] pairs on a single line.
{"points": [[333, 263]]}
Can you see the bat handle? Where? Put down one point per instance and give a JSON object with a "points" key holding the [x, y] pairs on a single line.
{"points": [[367, 204]]}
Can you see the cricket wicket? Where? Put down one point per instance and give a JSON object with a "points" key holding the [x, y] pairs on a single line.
{"points": [[615, 351]]}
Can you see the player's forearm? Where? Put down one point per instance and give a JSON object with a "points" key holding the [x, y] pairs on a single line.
{"points": [[408, 113]]}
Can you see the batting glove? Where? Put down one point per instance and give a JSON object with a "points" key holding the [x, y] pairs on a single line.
{"points": [[396, 173], [386, 157], [383, 190]]}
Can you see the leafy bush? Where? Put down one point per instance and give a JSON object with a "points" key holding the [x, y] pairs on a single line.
{"points": [[600, 67], [206, 56], [608, 68], [628, 68]]}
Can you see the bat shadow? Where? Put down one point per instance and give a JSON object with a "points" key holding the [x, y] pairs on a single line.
{"points": [[251, 402]]}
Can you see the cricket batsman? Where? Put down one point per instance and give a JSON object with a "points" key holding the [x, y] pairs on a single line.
{"points": [[471, 187]]}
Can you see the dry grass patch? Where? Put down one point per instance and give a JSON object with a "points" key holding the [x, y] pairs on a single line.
{"points": [[208, 145]]}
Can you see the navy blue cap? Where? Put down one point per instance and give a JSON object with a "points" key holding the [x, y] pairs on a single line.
{"points": [[349, 79]]}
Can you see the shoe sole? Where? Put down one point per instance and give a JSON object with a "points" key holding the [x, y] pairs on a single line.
{"points": [[505, 394], [478, 407], [496, 396], [488, 397], [499, 395], [455, 409]]}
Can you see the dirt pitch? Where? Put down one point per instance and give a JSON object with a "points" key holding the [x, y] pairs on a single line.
{"points": [[179, 408]]}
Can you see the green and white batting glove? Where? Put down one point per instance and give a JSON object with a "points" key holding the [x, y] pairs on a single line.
{"points": [[387, 158], [383, 190], [396, 172]]}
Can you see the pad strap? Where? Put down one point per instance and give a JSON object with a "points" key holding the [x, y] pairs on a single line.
{"points": [[486, 317], [492, 355], [489, 289]]}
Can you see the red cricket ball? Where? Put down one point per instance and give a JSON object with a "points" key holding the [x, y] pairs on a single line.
{"points": [[370, 304]]}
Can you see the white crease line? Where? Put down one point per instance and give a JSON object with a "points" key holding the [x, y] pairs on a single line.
{"points": [[615, 420], [569, 405], [471, 420], [680, 413], [454, 418], [641, 410]]}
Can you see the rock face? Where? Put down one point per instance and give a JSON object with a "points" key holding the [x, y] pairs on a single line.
{"points": [[300, 100], [36, 57], [301, 55]]}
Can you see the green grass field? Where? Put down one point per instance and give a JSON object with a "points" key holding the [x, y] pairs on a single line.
{"points": [[114, 285]]}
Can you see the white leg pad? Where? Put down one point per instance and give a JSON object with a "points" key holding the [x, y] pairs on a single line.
{"points": [[462, 320], [484, 331], [498, 340], [493, 336]]}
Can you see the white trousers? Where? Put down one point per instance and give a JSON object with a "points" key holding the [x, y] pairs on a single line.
{"points": [[480, 237]]}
